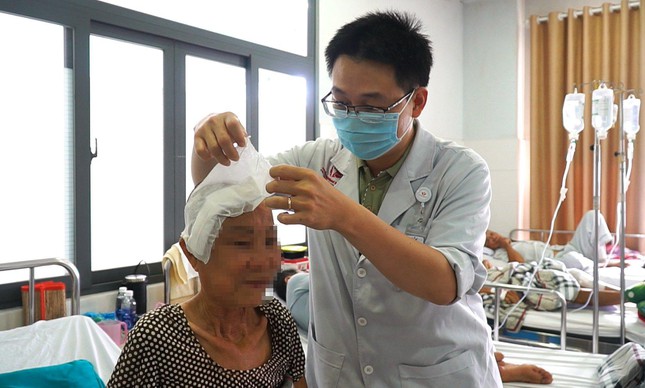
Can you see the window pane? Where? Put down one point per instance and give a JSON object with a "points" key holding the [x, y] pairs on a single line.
{"points": [[257, 21], [211, 87], [127, 176], [280, 128], [35, 144]]}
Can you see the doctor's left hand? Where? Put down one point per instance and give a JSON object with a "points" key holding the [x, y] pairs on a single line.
{"points": [[309, 199]]}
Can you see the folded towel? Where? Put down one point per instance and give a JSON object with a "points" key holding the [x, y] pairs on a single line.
{"points": [[184, 281], [624, 368]]}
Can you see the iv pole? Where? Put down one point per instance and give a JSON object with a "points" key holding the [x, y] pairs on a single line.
{"points": [[622, 203], [621, 232]]}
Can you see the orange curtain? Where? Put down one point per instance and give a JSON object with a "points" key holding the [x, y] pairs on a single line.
{"points": [[578, 51]]}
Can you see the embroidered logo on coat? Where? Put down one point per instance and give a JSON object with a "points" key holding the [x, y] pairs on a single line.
{"points": [[332, 176]]}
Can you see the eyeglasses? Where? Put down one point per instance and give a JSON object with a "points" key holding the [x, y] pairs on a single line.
{"points": [[366, 113]]}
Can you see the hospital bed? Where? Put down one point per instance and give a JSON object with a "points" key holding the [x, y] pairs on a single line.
{"points": [[552, 327], [49, 343]]}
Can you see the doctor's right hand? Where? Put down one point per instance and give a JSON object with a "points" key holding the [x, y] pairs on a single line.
{"points": [[215, 137]]}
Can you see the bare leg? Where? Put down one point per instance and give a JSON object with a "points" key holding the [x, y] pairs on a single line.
{"points": [[525, 373]]}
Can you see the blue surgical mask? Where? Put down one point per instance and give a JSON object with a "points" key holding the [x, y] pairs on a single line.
{"points": [[367, 139]]}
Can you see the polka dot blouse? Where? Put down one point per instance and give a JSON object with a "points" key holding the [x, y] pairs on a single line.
{"points": [[162, 351]]}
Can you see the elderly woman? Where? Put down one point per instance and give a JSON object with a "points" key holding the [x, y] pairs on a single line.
{"points": [[229, 334]]}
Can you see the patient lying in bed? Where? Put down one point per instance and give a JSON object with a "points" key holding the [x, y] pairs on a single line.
{"points": [[517, 262]]}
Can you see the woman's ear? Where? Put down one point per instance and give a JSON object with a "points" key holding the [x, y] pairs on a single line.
{"points": [[191, 259]]}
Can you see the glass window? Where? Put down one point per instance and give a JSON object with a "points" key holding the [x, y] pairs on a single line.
{"points": [[257, 21], [35, 144], [282, 121], [127, 175], [213, 87]]}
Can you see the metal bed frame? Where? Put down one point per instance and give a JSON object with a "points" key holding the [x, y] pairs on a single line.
{"points": [[166, 267], [544, 233], [563, 310], [31, 265]]}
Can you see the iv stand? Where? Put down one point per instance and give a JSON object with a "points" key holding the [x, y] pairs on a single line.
{"points": [[596, 208], [620, 233], [621, 201]]}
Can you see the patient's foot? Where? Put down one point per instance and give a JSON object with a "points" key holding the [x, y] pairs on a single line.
{"points": [[525, 373]]}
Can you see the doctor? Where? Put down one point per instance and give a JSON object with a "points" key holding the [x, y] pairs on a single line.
{"points": [[396, 220]]}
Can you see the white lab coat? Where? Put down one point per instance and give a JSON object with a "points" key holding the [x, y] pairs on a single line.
{"points": [[364, 330]]}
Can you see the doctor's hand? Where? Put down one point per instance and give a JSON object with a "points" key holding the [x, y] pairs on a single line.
{"points": [[308, 197], [215, 136]]}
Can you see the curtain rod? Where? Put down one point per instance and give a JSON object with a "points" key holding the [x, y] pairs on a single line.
{"points": [[592, 11]]}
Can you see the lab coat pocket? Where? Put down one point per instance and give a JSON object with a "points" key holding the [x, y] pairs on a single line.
{"points": [[455, 372], [326, 365]]}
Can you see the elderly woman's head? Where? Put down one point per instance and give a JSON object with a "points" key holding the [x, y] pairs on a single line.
{"points": [[230, 237], [244, 259]]}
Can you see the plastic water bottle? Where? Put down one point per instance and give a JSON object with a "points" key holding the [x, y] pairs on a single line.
{"points": [[128, 311], [119, 298]]}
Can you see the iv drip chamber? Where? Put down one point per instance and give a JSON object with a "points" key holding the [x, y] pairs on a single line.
{"points": [[573, 113], [631, 110], [602, 110]]}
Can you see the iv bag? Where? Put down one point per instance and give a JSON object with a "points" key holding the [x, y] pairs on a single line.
{"points": [[573, 113], [631, 109], [602, 106]]}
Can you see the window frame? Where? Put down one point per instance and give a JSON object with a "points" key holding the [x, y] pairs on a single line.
{"points": [[82, 18]]}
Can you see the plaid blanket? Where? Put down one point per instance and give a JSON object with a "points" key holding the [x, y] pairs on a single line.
{"points": [[625, 368], [551, 274]]}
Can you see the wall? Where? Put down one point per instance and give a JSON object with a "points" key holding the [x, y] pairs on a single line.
{"points": [[491, 53]]}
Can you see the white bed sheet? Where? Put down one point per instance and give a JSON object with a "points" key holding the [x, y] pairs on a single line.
{"points": [[569, 369], [634, 274], [56, 342], [580, 322]]}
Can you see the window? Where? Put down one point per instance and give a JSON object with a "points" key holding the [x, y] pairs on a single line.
{"points": [[282, 113], [35, 143], [91, 77], [127, 173], [265, 25], [211, 87]]}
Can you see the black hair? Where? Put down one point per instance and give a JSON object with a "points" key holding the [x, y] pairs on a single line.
{"points": [[391, 38], [279, 285]]}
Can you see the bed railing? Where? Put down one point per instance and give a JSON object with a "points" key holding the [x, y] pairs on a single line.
{"points": [[563, 310], [31, 265], [543, 234], [167, 266]]}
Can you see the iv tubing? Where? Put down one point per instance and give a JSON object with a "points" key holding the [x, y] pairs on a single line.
{"points": [[563, 194]]}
